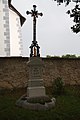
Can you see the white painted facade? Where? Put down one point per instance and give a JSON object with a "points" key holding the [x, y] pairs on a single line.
{"points": [[10, 31], [15, 34], [2, 37]]}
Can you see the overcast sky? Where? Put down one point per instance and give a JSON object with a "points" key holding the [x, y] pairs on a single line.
{"points": [[54, 35]]}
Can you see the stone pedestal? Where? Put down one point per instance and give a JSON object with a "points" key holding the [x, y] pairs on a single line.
{"points": [[36, 99], [35, 83]]}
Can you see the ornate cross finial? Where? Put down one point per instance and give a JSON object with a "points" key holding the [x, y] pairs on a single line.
{"points": [[34, 44]]}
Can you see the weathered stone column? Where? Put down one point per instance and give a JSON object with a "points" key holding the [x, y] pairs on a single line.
{"points": [[35, 83]]}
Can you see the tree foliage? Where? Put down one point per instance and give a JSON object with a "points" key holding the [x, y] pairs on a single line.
{"points": [[63, 56], [75, 13], [68, 56]]}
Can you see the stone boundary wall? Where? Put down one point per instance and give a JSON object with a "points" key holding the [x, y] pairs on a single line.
{"points": [[14, 71]]}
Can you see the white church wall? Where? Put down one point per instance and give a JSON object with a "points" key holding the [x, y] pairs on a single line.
{"points": [[15, 34], [10, 31], [1, 30], [4, 29]]}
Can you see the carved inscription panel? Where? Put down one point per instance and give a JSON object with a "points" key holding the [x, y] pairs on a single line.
{"points": [[36, 72]]}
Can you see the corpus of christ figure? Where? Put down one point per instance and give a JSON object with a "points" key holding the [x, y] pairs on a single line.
{"points": [[34, 46]]}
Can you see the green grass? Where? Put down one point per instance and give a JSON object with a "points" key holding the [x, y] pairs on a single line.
{"points": [[67, 107]]}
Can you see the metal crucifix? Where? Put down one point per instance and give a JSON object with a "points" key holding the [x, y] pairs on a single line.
{"points": [[34, 46]]}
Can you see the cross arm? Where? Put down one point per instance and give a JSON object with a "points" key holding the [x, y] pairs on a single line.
{"points": [[41, 14], [28, 12]]}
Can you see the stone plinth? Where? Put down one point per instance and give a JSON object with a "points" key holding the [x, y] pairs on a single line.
{"points": [[35, 91], [36, 99], [35, 82]]}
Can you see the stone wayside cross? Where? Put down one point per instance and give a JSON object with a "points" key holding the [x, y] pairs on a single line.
{"points": [[34, 46], [35, 87], [35, 82]]}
